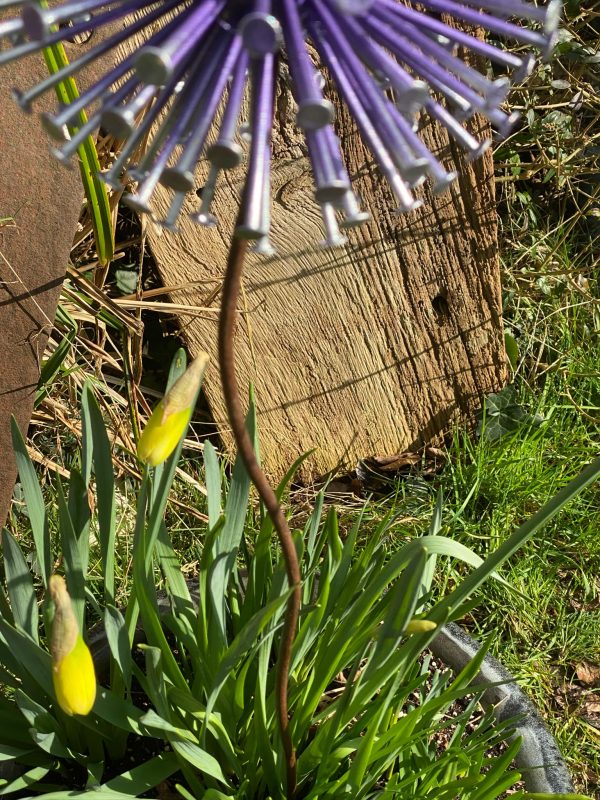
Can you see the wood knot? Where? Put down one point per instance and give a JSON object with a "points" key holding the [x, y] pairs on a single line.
{"points": [[293, 193], [440, 305]]}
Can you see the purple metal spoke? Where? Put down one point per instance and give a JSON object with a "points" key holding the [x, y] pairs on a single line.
{"points": [[120, 120], [411, 93], [252, 226], [333, 143], [441, 79], [473, 146], [353, 215], [226, 152], [547, 14], [331, 186], [314, 111], [494, 92], [54, 124], [112, 177], [363, 120], [438, 78], [140, 200], [441, 178], [39, 21], [169, 223], [200, 76], [178, 125], [26, 98], [155, 64], [181, 176], [22, 50], [260, 30], [64, 153], [11, 26], [262, 6], [261, 33], [76, 28], [494, 54], [482, 20], [263, 245], [412, 169], [353, 7], [374, 102], [333, 236], [204, 216]]}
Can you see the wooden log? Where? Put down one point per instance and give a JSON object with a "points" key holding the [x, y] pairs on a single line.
{"points": [[367, 350]]}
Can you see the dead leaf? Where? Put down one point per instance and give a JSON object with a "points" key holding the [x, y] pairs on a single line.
{"points": [[394, 463], [377, 472], [590, 710], [588, 673]]}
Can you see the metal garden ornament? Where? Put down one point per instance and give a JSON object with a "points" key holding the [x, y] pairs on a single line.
{"points": [[391, 62]]}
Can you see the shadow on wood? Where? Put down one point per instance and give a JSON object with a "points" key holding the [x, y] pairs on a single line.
{"points": [[366, 350]]}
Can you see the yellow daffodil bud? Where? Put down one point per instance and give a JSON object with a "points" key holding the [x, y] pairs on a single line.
{"points": [[73, 674], [171, 416], [420, 626]]}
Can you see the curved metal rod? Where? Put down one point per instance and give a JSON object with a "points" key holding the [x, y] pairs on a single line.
{"points": [[235, 413]]}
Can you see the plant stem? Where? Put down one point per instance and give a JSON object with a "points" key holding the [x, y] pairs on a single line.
{"points": [[235, 412]]}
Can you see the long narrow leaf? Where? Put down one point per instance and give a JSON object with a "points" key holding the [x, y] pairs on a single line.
{"points": [[144, 590], [212, 477], [227, 543], [405, 597], [442, 610], [34, 500], [200, 759], [96, 450], [243, 644], [20, 586], [118, 642], [53, 363], [27, 779], [35, 661], [523, 533], [74, 568], [144, 777], [89, 166], [171, 569]]}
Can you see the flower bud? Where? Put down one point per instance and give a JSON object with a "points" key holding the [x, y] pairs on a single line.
{"points": [[420, 626], [171, 416], [73, 674]]}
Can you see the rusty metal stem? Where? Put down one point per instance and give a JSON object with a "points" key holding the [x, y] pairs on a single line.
{"points": [[235, 412]]}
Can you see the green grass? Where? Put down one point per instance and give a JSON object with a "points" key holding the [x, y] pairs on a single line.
{"points": [[550, 238], [551, 625], [545, 637]]}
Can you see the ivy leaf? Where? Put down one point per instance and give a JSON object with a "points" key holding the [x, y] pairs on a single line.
{"points": [[502, 414]]}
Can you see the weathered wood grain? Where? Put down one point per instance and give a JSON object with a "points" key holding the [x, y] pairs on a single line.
{"points": [[370, 349]]}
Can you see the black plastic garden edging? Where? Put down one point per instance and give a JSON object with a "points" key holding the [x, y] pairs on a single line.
{"points": [[540, 760]]}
